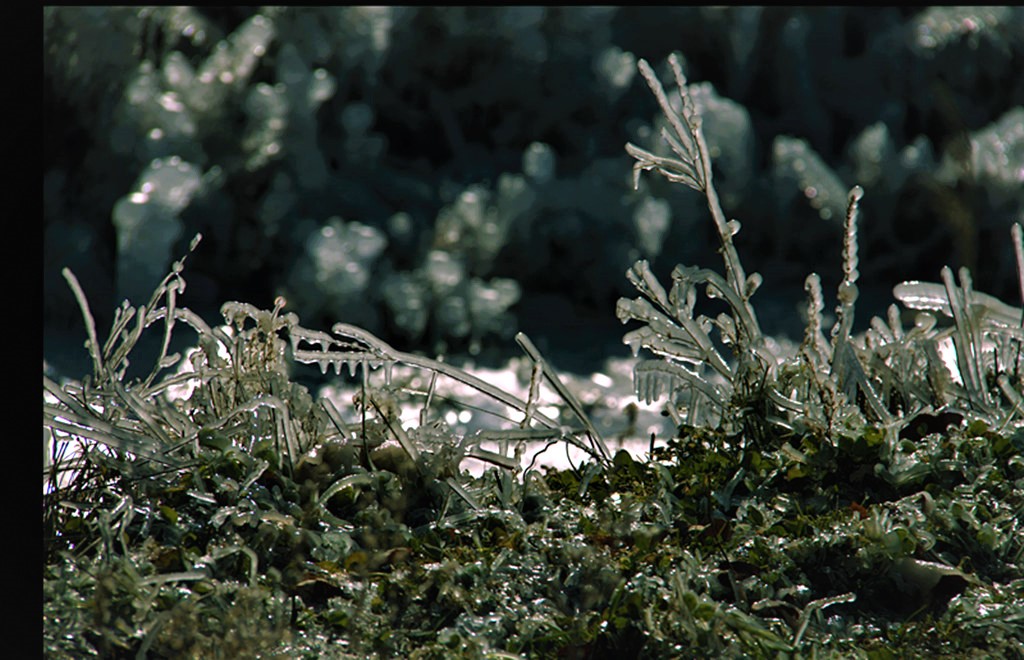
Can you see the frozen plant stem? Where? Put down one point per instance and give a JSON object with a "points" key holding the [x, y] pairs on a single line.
{"points": [[672, 328], [695, 170], [848, 288]]}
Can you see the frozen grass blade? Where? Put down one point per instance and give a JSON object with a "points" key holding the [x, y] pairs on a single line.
{"points": [[90, 323], [1018, 252], [395, 425], [567, 396]]}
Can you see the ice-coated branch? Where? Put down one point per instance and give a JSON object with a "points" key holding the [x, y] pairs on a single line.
{"points": [[693, 167]]}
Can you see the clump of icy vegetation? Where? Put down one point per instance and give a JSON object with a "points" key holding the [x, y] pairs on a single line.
{"points": [[486, 142], [854, 495]]}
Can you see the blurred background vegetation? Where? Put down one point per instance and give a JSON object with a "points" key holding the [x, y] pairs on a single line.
{"points": [[445, 176]]}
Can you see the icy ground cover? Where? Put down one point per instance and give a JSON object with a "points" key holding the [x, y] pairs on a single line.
{"points": [[858, 495], [357, 524]]}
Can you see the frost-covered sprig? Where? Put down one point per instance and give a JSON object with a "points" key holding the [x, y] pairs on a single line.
{"points": [[848, 287], [693, 168], [671, 330], [815, 346], [847, 370]]}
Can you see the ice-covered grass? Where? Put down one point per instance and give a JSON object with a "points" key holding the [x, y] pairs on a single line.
{"points": [[853, 496]]}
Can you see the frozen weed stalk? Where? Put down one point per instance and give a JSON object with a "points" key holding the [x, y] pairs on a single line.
{"points": [[734, 380]]}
